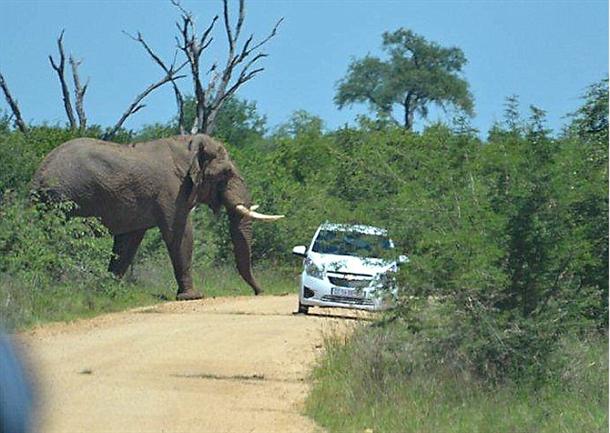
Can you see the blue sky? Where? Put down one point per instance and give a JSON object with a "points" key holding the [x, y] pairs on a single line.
{"points": [[547, 52]]}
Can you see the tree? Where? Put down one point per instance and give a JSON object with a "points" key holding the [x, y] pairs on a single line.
{"points": [[582, 191], [242, 64], [13, 104], [239, 123], [79, 89], [417, 74], [59, 66], [590, 122]]}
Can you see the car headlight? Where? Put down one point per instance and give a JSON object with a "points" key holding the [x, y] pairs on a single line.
{"points": [[386, 280], [313, 270]]}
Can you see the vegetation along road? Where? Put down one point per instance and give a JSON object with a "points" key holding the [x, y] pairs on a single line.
{"points": [[219, 365]]}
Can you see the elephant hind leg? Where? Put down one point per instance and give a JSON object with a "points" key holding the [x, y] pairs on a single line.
{"points": [[124, 250]]}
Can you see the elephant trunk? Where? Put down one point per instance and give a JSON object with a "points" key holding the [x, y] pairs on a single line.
{"points": [[236, 194], [241, 235]]}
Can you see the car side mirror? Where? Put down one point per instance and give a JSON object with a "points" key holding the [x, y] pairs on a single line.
{"points": [[300, 251], [402, 259]]}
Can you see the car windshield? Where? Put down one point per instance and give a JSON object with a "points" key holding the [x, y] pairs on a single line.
{"points": [[351, 243]]}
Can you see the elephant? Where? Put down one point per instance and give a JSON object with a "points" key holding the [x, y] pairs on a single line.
{"points": [[132, 188]]}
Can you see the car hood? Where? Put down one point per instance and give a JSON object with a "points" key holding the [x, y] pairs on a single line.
{"points": [[351, 264]]}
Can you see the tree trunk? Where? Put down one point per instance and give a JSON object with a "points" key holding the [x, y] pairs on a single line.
{"points": [[13, 104], [409, 107]]}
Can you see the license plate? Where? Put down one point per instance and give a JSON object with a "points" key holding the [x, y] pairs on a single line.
{"points": [[348, 293]]}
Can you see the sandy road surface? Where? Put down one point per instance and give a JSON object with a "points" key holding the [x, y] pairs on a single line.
{"points": [[217, 365]]}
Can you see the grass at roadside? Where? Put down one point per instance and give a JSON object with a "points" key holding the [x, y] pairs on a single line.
{"points": [[215, 280], [375, 380], [26, 302]]}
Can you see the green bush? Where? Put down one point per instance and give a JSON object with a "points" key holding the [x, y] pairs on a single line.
{"points": [[40, 240], [383, 378], [43, 253]]}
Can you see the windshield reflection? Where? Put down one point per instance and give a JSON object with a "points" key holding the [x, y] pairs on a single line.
{"points": [[357, 244]]}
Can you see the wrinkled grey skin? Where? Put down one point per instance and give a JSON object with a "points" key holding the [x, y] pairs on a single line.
{"points": [[135, 187]]}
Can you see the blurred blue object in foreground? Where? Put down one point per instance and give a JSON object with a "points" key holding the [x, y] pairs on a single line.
{"points": [[15, 391]]}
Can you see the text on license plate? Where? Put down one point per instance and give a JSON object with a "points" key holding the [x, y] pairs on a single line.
{"points": [[338, 291]]}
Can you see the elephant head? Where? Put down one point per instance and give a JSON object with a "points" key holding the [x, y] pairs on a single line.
{"points": [[217, 182]]}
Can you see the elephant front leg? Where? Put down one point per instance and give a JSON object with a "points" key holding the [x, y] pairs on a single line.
{"points": [[124, 250], [179, 243]]}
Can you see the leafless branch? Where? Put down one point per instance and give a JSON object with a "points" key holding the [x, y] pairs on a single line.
{"points": [[13, 104], [179, 6], [193, 47], [60, 68], [206, 39], [79, 93], [136, 105], [178, 94], [222, 83], [246, 51], [233, 40], [224, 90]]}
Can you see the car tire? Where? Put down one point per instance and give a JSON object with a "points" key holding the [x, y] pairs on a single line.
{"points": [[303, 309]]}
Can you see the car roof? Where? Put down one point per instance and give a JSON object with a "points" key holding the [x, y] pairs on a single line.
{"points": [[360, 228]]}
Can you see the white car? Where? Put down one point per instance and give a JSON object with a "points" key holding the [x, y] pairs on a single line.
{"points": [[348, 266]]}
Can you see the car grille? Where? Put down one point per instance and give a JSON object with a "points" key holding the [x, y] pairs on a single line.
{"points": [[347, 300], [354, 281]]}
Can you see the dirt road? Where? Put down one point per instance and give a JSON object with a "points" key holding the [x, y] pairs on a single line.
{"points": [[217, 365]]}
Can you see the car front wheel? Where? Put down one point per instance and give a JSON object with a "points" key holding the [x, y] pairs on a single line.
{"points": [[303, 309]]}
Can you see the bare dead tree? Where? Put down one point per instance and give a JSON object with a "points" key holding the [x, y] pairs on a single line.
{"points": [[137, 105], [13, 104], [235, 58], [79, 93], [241, 66], [193, 46], [60, 69], [179, 98], [223, 84]]}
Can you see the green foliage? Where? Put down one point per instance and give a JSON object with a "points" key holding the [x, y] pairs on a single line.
{"points": [[238, 122], [5, 122], [154, 132], [590, 122], [20, 154], [42, 240], [19, 161], [43, 253], [382, 379], [581, 182], [417, 74], [516, 257]]}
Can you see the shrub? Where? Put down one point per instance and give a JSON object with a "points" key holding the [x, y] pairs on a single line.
{"points": [[43, 252], [384, 379]]}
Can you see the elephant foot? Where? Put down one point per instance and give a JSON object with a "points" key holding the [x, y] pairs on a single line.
{"points": [[188, 295]]}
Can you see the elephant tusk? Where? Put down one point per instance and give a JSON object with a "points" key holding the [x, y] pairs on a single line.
{"points": [[250, 213]]}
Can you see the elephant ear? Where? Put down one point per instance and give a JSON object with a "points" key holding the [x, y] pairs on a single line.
{"points": [[209, 172], [208, 151], [214, 182]]}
